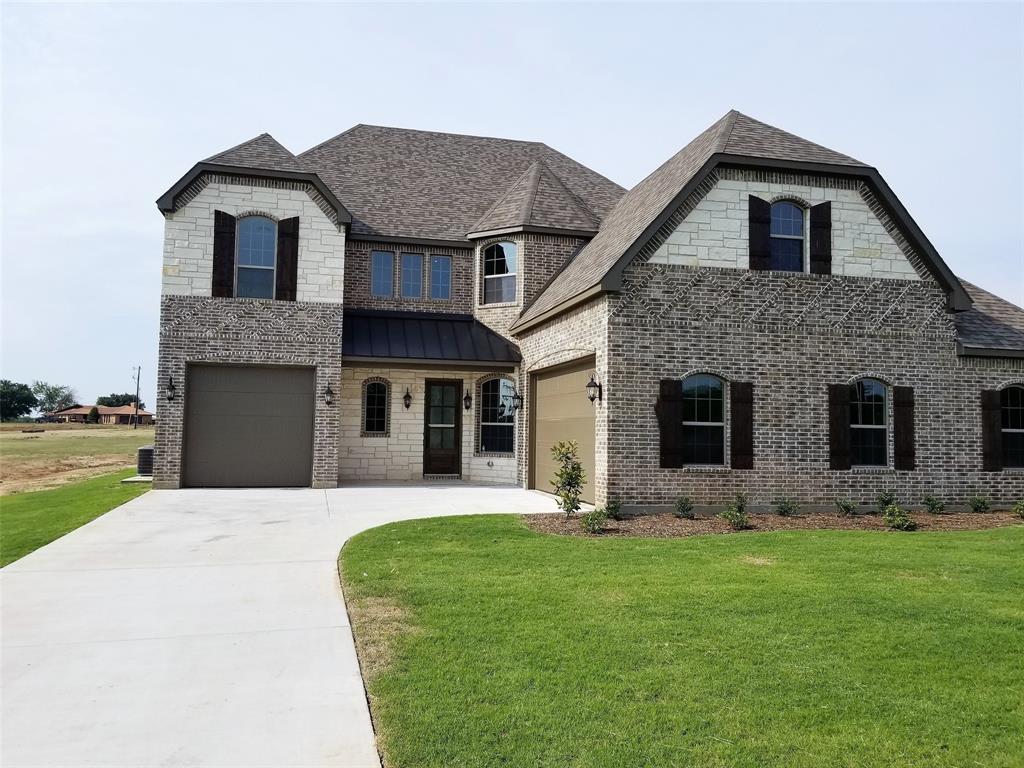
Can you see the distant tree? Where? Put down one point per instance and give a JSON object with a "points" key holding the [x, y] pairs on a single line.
{"points": [[53, 397], [114, 400], [16, 400], [94, 415]]}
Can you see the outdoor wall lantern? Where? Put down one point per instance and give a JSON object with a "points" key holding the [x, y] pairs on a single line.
{"points": [[467, 402], [593, 389], [517, 400], [329, 395], [407, 398], [170, 388]]}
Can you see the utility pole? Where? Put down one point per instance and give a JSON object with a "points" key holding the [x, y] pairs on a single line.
{"points": [[137, 372]]}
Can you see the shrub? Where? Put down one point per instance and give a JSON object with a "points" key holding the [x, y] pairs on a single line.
{"points": [[736, 513], [569, 477], [896, 517], [786, 507], [885, 500], [614, 509], [978, 503], [933, 505], [845, 507], [1018, 509], [684, 508], [593, 522]]}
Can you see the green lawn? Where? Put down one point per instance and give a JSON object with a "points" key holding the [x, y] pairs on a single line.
{"points": [[30, 520], [487, 644]]}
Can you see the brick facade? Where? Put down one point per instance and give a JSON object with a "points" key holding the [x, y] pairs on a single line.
{"points": [[358, 294], [197, 329]]}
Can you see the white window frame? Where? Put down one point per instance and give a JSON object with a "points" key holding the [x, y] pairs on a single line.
{"points": [[1009, 430], [803, 237], [721, 424], [238, 265], [483, 268], [883, 426]]}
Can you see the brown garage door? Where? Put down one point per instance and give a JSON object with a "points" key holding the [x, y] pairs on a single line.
{"points": [[248, 426], [561, 411]]}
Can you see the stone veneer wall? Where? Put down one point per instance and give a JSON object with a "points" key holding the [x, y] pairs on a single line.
{"points": [[792, 335], [188, 234], [250, 332], [357, 278], [713, 227], [399, 455], [579, 333]]}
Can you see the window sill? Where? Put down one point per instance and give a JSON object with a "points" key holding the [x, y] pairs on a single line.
{"points": [[870, 470], [500, 304], [493, 455], [705, 468], [374, 434]]}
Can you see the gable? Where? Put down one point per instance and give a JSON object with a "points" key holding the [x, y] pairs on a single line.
{"points": [[713, 231]]}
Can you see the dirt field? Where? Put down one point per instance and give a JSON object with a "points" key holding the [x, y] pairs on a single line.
{"points": [[64, 453]]}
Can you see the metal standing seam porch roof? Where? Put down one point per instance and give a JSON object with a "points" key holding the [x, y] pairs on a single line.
{"points": [[423, 337]]}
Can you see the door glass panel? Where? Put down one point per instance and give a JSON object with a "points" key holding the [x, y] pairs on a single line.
{"points": [[442, 437]]}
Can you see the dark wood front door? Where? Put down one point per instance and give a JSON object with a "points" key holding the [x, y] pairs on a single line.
{"points": [[442, 428]]}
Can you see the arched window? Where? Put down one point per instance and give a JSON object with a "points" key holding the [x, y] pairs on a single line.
{"points": [[376, 407], [787, 237], [703, 419], [869, 433], [497, 416], [1011, 401], [256, 260], [500, 273]]}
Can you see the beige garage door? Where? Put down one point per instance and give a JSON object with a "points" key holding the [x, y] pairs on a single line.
{"points": [[248, 426], [561, 411]]}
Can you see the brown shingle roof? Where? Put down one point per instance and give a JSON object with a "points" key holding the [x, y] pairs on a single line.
{"points": [[734, 133], [425, 185], [991, 323], [263, 152], [102, 410]]}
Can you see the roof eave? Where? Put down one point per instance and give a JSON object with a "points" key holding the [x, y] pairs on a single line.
{"points": [[531, 229], [494, 365], [580, 298], [166, 201], [970, 350]]}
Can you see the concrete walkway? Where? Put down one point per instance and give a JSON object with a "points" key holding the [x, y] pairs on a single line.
{"points": [[201, 627]]}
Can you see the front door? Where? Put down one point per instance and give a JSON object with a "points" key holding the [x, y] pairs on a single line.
{"points": [[442, 428]]}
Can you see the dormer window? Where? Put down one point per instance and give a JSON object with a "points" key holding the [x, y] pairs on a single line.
{"points": [[257, 258], [500, 273], [787, 237]]}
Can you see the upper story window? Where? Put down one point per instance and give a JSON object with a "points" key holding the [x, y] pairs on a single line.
{"points": [[787, 237], [256, 261], [703, 419], [869, 433], [382, 273], [500, 261], [412, 275], [1011, 401], [497, 416], [441, 277]]}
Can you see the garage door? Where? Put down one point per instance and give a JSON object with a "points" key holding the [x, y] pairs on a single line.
{"points": [[561, 411], [247, 426]]}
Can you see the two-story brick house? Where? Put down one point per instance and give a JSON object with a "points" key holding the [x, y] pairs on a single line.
{"points": [[760, 314]]}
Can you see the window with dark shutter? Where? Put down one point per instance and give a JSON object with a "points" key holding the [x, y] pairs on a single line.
{"points": [[1011, 406], [903, 427], [287, 259], [669, 409], [821, 239], [741, 423], [839, 426], [223, 254], [869, 430], [759, 216], [991, 431]]}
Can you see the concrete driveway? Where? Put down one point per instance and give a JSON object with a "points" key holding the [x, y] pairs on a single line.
{"points": [[202, 627]]}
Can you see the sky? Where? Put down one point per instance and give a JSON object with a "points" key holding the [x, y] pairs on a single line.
{"points": [[104, 107]]}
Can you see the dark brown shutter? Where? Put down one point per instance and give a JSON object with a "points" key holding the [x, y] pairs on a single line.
{"points": [[741, 424], [991, 431], [670, 422], [223, 254], [821, 239], [760, 219], [839, 426], [287, 259], [903, 427]]}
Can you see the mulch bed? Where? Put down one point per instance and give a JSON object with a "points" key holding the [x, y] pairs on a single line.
{"points": [[666, 525]]}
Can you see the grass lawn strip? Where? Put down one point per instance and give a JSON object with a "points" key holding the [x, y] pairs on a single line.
{"points": [[811, 648], [31, 520]]}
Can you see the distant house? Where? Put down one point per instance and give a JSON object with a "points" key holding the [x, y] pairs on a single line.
{"points": [[122, 414]]}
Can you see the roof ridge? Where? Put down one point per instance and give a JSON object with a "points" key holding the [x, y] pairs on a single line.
{"points": [[245, 143], [526, 209], [725, 134], [572, 195], [433, 133], [511, 188]]}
